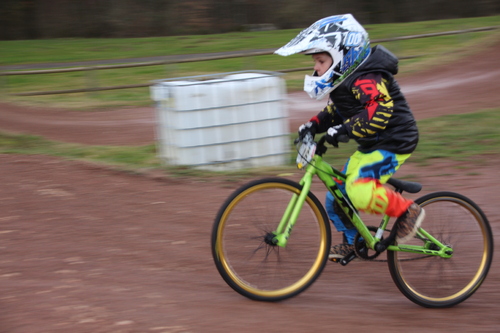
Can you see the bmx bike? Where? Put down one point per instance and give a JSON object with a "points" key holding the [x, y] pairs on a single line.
{"points": [[271, 238]]}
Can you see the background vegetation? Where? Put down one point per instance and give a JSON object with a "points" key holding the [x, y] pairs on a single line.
{"points": [[33, 19], [68, 52]]}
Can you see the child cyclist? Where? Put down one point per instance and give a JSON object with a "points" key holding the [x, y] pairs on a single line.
{"points": [[367, 105]]}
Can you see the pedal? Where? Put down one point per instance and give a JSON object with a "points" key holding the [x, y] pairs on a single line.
{"points": [[335, 260], [348, 258]]}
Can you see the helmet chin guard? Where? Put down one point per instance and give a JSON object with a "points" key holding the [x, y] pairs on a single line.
{"points": [[319, 86], [343, 38]]}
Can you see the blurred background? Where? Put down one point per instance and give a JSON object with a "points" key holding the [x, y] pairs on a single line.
{"points": [[90, 245], [35, 19]]}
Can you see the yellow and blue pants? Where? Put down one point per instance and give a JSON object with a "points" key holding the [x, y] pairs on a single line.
{"points": [[366, 173]]}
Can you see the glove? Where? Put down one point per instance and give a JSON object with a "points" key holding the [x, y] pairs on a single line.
{"points": [[337, 134], [309, 127]]}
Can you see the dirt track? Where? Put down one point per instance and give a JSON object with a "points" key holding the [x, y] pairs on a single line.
{"points": [[86, 248]]}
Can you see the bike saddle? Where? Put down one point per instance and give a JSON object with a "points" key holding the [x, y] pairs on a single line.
{"points": [[410, 187]]}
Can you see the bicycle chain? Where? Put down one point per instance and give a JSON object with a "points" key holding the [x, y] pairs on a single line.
{"points": [[382, 260], [359, 246]]}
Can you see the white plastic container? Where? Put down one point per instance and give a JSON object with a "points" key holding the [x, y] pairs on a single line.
{"points": [[222, 122]]}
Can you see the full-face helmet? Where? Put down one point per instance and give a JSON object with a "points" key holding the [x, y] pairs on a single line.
{"points": [[343, 38]]}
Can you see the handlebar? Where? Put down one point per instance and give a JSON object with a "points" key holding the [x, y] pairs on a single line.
{"points": [[309, 148], [321, 142]]}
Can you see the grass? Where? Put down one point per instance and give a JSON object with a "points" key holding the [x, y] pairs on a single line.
{"points": [[83, 49], [436, 50], [464, 137], [470, 137], [459, 137], [133, 157], [456, 137]]}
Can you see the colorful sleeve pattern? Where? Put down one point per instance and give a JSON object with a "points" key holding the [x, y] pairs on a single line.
{"points": [[372, 93]]}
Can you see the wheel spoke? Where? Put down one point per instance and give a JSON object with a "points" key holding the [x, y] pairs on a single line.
{"points": [[458, 223], [242, 241]]}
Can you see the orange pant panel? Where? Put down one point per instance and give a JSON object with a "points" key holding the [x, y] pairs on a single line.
{"points": [[370, 196]]}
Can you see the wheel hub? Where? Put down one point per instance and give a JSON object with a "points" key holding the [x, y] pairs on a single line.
{"points": [[270, 239]]}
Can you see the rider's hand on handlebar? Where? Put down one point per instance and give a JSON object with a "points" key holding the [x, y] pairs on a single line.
{"points": [[309, 127], [337, 134]]}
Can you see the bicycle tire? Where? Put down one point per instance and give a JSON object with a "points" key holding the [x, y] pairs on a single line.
{"points": [[435, 282], [258, 270]]}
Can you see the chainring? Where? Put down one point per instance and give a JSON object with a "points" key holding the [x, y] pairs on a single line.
{"points": [[362, 251]]}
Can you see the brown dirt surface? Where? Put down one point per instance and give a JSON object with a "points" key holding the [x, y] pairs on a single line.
{"points": [[88, 248]]}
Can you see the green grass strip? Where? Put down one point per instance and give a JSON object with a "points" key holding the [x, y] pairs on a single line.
{"points": [[433, 51], [131, 156], [464, 137]]}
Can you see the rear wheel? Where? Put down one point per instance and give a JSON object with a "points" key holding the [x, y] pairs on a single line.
{"points": [[242, 245], [432, 281]]}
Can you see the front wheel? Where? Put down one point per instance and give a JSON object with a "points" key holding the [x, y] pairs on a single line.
{"points": [[436, 282], [246, 258]]}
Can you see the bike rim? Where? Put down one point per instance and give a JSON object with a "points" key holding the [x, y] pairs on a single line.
{"points": [[241, 282], [449, 267]]}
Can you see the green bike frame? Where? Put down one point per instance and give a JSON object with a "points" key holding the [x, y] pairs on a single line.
{"points": [[327, 174]]}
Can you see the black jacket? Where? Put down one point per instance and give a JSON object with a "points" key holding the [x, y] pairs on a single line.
{"points": [[372, 107]]}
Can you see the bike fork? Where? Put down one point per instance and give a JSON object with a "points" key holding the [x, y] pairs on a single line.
{"points": [[290, 216]]}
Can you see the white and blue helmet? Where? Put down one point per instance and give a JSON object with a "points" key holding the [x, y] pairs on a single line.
{"points": [[343, 38]]}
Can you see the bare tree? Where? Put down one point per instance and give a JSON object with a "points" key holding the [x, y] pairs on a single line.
{"points": [[22, 19]]}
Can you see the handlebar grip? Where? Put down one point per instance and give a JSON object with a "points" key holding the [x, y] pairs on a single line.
{"points": [[343, 138]]}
